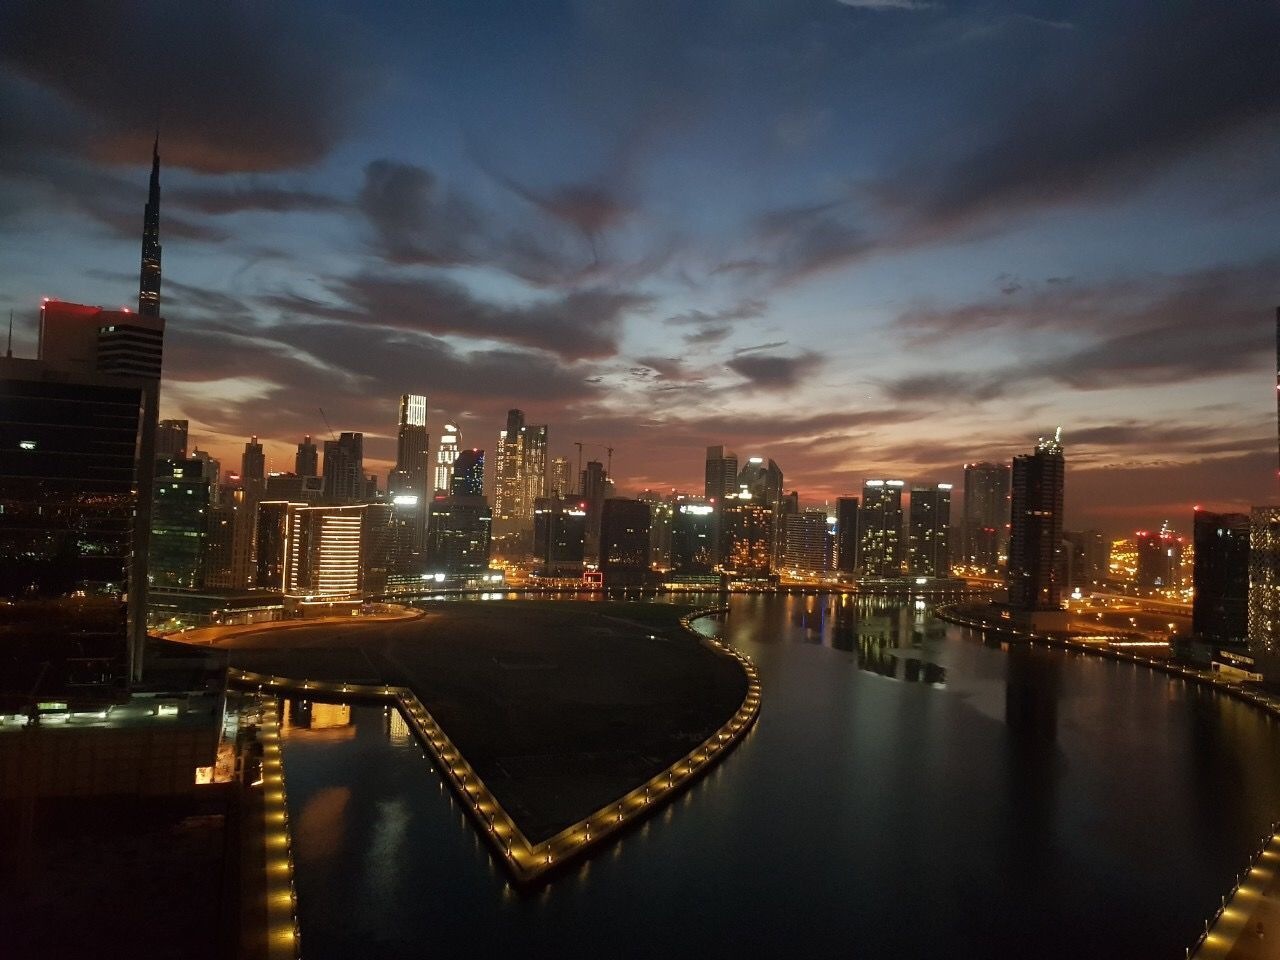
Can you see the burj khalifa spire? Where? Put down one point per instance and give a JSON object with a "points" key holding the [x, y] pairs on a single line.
{"points": [[149, 278]]}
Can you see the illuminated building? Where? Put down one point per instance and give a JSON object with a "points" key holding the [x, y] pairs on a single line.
{"points": [[1159, 564], [661, 516], [763, 480], [71, 519], [1035, 539], [343, 468], [459, 533], [693, 531], [624, 541], [1264, 586], [746, 534], [330, 555], [559, 537], [929, 531], [446, 456], [306, 460], [149, 274], [179, 525], [721, 474], [468, 474], [409, 475], [520, 474], [804, 541], [985, 524], [1220, 606], [171, 440], [846, 546], [880, 525], [272, 538], [292, 486], [560, 482]]}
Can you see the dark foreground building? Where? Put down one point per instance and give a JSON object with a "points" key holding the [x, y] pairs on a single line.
{"points": [[1220, 608], [1036, 527]]}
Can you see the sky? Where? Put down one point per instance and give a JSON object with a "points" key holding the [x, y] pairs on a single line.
{"points": [[866, 238]]}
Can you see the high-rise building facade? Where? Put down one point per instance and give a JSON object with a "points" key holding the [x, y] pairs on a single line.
{"points": [[70, 477], [1035, 539], [459, 535], [253, 467], [929, 531], [560, 483], [985, 524], [1220, 605], [746, 534], [1264, 587], [468, 474], [594, 487], [1088, 559], [721, 474], [847, 535], [327, 555], [446, 456], [343, 468], [306, 461], [624, 541], [693, 532], [559, 537], [1159, 560], [410, 474], [171, 440], [520, 469], [880, 528], [804, 542], [179, 525]]}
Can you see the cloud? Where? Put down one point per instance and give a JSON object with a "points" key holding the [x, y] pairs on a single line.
{"points": [[887, 4], [774, 372], [229, 92], [252, 197], [1147, 87], [708, 335], [576, 325]]}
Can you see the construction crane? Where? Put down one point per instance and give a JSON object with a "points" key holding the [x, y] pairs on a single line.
{"points": [[328, 425]]}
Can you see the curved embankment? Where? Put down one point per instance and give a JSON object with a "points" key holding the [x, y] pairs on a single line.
{"points": [[527, 862], [1232, 919]]}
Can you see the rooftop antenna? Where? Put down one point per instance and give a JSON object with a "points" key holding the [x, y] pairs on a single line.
{"points": [[609, 469]]}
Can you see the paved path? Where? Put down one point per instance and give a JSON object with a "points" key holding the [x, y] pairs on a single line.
{"points": [[1248, 926]]}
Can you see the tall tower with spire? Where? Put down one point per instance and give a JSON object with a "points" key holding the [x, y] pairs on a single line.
{"points": [[149, 279]]}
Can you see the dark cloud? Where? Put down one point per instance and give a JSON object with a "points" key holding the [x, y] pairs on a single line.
{"points": [[576, 325], [267, 198], [932, 387], [708, 335], [744, 310], [236, 86], [416, 219], [1140, 87], [773, 372]]}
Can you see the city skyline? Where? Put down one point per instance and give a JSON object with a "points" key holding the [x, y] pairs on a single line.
{"points": [[814, 308]]}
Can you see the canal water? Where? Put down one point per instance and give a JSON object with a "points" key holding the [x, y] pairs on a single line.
{"points": [[907, 792]]}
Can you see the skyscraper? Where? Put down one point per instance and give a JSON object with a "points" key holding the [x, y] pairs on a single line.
{"points": [[560, 483], [253, 467], [804, 542], [1220, 606], [459, 531], [446, 456], [344, 468], [763, 480], [929, 531], [624, 542], [721, 474], [693, 531], [1159, 559], [306, 461], [847, 535], [468, 474], [171, 440], [880, 528], [984, 526], [594, 484], [149, 275], [1036, 527], [520, 470], [179, 525], [1264, 587], [559, 537], [746, 534], [412, 458]]}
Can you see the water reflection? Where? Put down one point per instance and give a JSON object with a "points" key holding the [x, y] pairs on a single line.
{"points": [[1038, 805]]}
